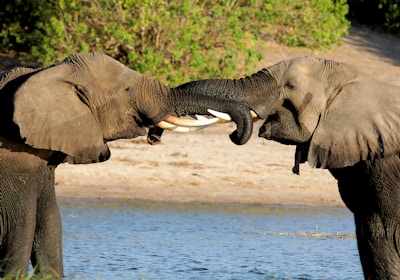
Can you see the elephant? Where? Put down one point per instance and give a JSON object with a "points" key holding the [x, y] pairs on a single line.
{"points": [[342, 118], [67, 112]]}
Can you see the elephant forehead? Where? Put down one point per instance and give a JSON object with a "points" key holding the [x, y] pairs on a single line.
{"points": [[306, 65], [101, 67], [277, 70]]}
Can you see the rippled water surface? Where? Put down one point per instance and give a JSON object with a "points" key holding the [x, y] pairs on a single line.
{"points": [[138, 240]]}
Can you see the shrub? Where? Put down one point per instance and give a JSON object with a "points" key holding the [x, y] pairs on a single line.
{"points": [[381, 13], [174, 41], [391, 12], [313, 23]]}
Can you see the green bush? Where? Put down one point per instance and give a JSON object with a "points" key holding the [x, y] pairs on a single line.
{"points": [[174, 41], [313, 24], [376, 13], [391, 12]]}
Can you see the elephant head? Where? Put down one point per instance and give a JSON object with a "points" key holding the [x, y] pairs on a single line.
{"points": [[68, 112], [76, 106], [342, 118], [330, 109], [333, 112]]}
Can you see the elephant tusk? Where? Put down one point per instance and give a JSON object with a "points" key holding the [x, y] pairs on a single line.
{"points": [[254, 115], [224, 117], [188, 122], [177, 124], [177, 128], [186, 125], [200, 117]]}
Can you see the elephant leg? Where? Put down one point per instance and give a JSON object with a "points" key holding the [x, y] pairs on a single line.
{"points": [[47, 244], [378, 245], [16, 247], [371, 190]]}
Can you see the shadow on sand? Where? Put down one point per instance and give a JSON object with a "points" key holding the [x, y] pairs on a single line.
{"points": [[377, 42]]}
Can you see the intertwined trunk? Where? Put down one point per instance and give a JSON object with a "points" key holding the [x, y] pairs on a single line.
{"points": [[258, 91], [193, 102], [180, 102]]}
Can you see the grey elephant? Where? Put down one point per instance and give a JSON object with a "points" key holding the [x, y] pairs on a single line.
{"points": [[68, 112], [343, 119]]}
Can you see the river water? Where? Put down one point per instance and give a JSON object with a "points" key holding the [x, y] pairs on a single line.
{"points": [[143, 240]]}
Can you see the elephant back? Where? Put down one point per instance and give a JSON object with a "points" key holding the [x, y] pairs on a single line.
{"points": [[16, 73], [9, 82]]}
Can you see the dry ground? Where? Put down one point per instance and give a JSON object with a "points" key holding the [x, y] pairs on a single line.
{"points": [[207, 167]]}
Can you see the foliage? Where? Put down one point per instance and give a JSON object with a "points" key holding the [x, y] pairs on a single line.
{"points": [[174, 40], [381, 13], [312, 24], [391, 11]]}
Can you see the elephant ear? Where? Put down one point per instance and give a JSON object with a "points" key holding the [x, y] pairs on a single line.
{"points": [[51, 115], [362, 123]]}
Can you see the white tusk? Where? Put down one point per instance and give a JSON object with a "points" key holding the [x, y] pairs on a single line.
{"points": [[188, 122], [187, 125], [198, 117], [165, 125], [254, 115], [188, 129], [201, 117], [177, 128], [220, 115], [224, 117]]}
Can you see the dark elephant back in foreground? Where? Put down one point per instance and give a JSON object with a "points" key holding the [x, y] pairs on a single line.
{"points": [[340, 117], [68, 112]]}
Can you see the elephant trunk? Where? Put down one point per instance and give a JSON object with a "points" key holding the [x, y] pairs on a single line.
{"points": [[258, 91], [197, 103]]}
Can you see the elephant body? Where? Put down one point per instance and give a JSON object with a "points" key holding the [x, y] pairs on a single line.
{"points": [[67, 112], [341, 118], [30, 220]]}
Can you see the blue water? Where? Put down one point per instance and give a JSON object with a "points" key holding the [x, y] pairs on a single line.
{"points": [[139, 240]]}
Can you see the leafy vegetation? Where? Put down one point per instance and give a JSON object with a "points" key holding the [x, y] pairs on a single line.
{"points": [[312, 24], [391, 12], [377, 13], [172, 41]]}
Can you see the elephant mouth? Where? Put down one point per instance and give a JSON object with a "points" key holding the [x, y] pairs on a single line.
{"points": [[198, 122]]}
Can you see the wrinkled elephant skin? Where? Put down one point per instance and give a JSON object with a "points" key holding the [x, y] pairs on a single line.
{"points": [[67, 113], [342, 118]]}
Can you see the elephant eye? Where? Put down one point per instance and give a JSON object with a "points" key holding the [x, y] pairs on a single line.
{"points": [[289, 85], [128, 90]]}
